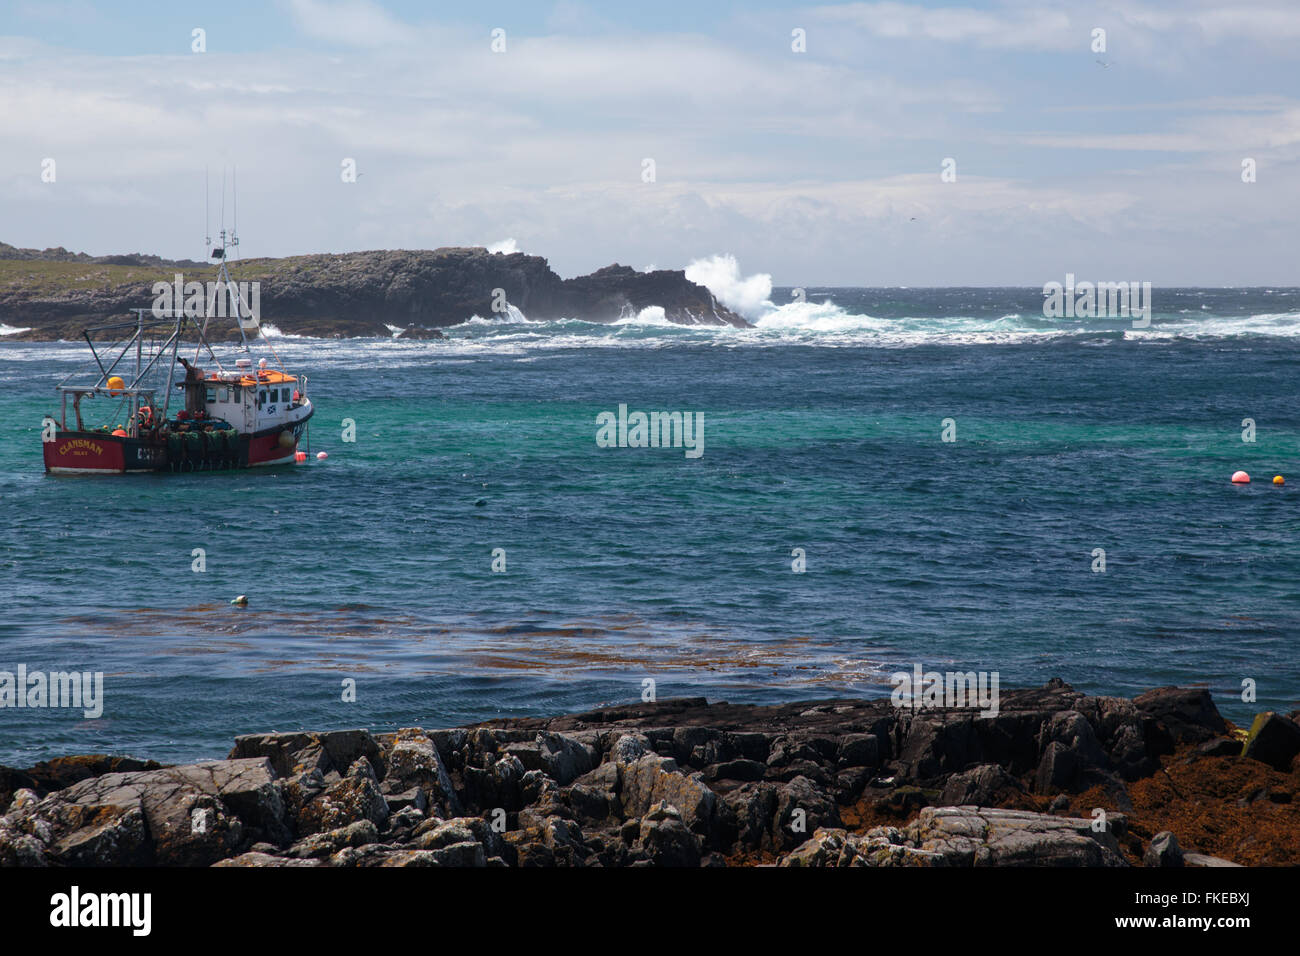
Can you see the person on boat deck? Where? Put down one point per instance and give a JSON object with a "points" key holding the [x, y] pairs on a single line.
{"points": [[195, 389]]}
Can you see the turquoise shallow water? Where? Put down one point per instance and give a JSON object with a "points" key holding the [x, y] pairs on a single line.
{"points": [[822, 432]]}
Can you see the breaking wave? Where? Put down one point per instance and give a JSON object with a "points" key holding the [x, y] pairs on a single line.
{"points": [[851, 317]]}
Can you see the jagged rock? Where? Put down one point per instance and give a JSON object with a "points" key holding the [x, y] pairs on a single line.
{"points": [[850, 783], [1163, 851], [771, 776], [1073, 730], [298, 791], [1070, 748], [833, 847], [499, 786], [279, 749], [404, 858], [666, 839], [415, 332], [753, 808], [789, 749], [983, 786], [1219, 747], [62, 772], [1059, 769], [700, 746], [653, 779], [57, 832], [549, 841], [414, 762], [259, 859], [440, 834], [965, 836], [608, 777], [12, 781], [1179, 715], [402, 823], [191, 815], [1274, 740], [330, 842], [629, 748], [413, 799], [292, 754], [1128, 753], [529, 852], [246, 787], [742, 770], [801, 768], [589, 803], [564, 759], [354, 798], [801, 808], [859, 750], [23, 798]]}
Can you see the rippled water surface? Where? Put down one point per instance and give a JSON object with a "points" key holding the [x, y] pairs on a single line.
{"points": [[822, 432]]}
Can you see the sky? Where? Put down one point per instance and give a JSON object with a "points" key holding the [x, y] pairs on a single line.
{"points": [[809, 141]]}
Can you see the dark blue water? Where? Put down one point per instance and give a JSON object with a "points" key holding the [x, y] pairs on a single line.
{"points": [[822, 432]]}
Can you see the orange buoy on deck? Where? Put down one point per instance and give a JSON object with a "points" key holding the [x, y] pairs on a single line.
{"points": [[300, 456]]}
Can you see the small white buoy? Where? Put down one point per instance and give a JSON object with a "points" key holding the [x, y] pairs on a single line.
{"points": [[240, 601], [321, 456]]}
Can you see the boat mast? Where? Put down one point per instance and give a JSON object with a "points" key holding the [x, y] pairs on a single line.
{"points": [[133, 423]]}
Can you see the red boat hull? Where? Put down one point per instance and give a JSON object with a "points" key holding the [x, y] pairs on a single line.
{"points": [[266, 449], [96, 453]]}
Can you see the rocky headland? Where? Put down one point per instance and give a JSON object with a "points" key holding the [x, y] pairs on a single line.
{"points": [[1056, 778], [55, 293]]}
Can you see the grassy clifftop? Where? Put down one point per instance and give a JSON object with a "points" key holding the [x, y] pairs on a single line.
{"points": [[55, 293]]}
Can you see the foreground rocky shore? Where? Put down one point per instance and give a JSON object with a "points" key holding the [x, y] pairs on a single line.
{"points": [[54, 293], [1056, 778]]}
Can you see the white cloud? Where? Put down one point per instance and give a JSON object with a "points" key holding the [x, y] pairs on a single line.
{"points": [[817, 169], [1014, 28], [1021, 26], [349, 22]]}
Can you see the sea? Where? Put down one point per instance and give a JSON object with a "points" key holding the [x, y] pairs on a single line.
{"points": [[886, 478]]}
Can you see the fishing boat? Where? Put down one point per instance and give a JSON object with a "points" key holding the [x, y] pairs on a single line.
{"points": [[158, 411]]}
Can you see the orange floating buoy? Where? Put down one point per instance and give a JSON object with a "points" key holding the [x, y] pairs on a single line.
{"points": [[1279, 480], [320, 455], [119, 433], [300, 456], [1240, 478]]}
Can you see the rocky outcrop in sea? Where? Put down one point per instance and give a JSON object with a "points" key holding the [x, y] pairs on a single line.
{"points": [[55, 293], [1056, 778]]}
